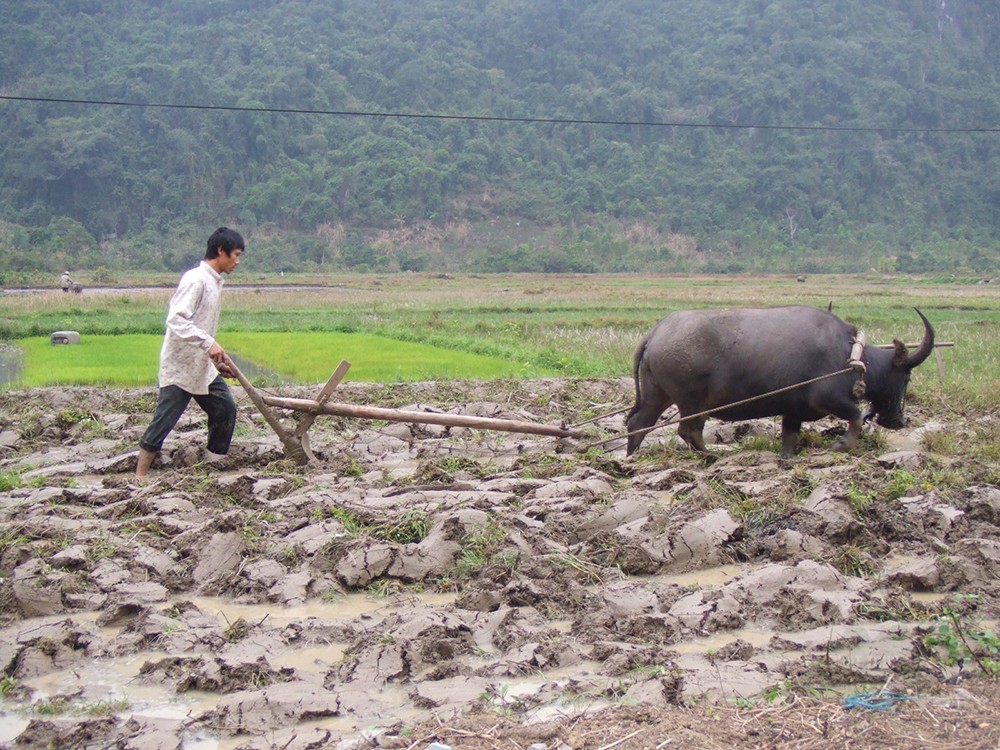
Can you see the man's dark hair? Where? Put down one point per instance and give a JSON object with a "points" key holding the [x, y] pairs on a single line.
{"points": [[226, 240]]}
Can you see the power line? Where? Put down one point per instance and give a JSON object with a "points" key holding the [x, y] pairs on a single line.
{"points": [[491, 118]]}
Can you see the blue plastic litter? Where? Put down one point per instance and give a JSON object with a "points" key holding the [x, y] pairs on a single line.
{"points": [[875, 701]]}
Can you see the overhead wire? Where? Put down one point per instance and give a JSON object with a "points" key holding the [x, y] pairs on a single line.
{"points": [[495, 118]]}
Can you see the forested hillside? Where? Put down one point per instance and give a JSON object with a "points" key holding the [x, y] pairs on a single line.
{"points": [[502, 135]]}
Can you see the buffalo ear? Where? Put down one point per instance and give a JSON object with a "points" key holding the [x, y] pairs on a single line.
{"points": [[902, 355]]}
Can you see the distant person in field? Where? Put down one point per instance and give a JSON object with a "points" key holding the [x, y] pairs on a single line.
{"points": [[192, 364], [66, 281]]}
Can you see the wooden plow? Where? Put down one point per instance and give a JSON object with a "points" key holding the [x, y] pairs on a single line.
{"points": [[296, 441]]}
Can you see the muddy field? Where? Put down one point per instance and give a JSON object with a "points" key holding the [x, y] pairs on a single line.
{"points": [[420, 585]]}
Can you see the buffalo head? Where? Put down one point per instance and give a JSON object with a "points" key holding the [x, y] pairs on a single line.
{"points": [[889, 374]]}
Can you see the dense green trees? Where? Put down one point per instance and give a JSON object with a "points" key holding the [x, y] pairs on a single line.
{"points": [[102, 185]]}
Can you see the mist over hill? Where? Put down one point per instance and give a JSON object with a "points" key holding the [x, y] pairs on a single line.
{"points": [[502, 135]]}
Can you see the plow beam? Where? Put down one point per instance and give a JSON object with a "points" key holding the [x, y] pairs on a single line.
{"points": [[418, 417]]}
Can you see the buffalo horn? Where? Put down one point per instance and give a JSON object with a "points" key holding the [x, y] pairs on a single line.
{"points": [[926, 346]]}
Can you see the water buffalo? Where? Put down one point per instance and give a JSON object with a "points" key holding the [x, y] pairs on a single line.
{"points": [[703, 359]]}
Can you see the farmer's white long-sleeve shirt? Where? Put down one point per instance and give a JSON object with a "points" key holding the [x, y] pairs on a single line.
{"points": [[192, 320]]}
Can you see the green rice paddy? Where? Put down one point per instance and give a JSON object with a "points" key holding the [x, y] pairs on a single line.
{"points": [[296, 357]]}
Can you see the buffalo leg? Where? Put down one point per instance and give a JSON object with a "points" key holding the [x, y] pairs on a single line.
{"points": [[690, 431], [850, 438], [790, 429], [643, 416]]}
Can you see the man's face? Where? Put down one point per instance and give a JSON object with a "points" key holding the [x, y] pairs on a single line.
{"points": [[229, 262]]}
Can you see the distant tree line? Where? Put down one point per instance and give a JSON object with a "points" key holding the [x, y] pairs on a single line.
{"points": [[726, 189]]}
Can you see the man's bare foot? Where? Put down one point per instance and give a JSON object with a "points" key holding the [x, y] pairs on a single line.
{"points": [[143, 463]]}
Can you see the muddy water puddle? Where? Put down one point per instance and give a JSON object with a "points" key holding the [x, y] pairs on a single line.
{"points": [[702, 579], [350, 607], [105, 684], [102, 685], [756, 637]]}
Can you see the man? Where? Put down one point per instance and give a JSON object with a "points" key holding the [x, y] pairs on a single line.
{"points": [[66, 281], [192, 364]]}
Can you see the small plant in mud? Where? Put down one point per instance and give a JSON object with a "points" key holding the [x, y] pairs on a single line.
{"points": [[383, 588], [953, 478], [226, 498], [50, 707], [900, 482], [446, 468], [348, 519], [289, 556], [863, 498], [860, 498], [802, 483], [598, 459], [353, 468], [258, 680], [103, 547], [985, 448], [671, 452], [245, 430], [594, 573], [410, 528], [978, 447], [542, 466], [12, 536], [105, 707], [854, 561], [873, 441], [237, 631], [500, 700], [7, 686], [254, 529], [777, 692], [943, 442], [69, 416], [963, 640], [10, 480], [484, 546], [892, 609], [757, 441], [153, 527], [59, 705], [755, 512], [648, 671]]}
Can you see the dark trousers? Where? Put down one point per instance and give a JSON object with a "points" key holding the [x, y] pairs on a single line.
{"points": [[218, 404]]}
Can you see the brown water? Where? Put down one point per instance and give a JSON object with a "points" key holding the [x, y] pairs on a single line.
{"points": [[117, 679]]}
